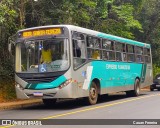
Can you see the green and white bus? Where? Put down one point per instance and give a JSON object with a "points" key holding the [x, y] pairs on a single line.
{"points": [[84, 63]]}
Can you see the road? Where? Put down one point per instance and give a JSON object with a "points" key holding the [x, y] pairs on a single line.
{"points": [[117, 106]]}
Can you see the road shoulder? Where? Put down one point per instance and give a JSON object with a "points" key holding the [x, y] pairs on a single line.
{"points": [[19, 104]]}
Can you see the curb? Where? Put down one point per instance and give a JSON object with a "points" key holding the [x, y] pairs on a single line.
{"points": [[20, 104], [145, 89]]}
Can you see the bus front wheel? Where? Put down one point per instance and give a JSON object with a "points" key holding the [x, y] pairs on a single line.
{"points": [[136, 90], [93, 94], [49, 102]]}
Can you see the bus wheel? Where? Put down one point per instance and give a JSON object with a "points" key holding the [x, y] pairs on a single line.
{"points": [[49, 102], [136, 90], [93, 94]]}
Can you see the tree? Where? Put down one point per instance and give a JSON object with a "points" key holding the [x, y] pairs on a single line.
{"points": [[119, 20], [150, 20], [7, 27]]}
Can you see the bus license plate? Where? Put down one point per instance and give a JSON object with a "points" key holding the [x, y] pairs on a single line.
{"points": [[37, 94]]}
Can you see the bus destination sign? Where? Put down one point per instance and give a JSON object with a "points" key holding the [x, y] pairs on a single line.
{"points": [[41, 32]]}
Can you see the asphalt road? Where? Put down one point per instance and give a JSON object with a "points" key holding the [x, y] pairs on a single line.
{"points": [[117, 106]]}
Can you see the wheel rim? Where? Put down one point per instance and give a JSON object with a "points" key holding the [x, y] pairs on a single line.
{"points": [[93, 93]]}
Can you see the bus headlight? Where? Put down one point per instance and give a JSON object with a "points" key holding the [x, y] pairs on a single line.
{"points": [[19, 86], [65, 83]]}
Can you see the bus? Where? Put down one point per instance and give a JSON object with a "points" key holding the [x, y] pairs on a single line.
{"points": [[83, 63]]}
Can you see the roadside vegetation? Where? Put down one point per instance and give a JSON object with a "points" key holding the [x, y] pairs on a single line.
{"points": [[156, 70], [135, 19]]}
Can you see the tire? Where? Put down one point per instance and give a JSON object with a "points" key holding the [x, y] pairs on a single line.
{"points": [[49, 102], [151, 89], [93, 94], [136, 90]]}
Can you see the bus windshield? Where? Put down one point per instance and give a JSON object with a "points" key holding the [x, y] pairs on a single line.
{"points": [[38, 56]]}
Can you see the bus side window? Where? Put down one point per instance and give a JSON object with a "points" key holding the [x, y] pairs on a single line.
{"points": [[79, 52], [130, 53], [139, 54], [123, 48], [147, 57], [97, 46], [106, 44], [76, 49], [112, 45], [112, 53], [108, 50], [124, 55], [94, 48], [118, 51]]}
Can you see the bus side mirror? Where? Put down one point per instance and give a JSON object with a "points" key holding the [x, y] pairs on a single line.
{"points": [[11, 47]]}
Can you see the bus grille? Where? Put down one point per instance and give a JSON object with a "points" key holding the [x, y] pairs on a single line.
{"points": [[40, 80], [35, 78]]}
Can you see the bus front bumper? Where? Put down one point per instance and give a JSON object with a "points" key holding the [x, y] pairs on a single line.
{"points": [[54, 93], [29, 94]]}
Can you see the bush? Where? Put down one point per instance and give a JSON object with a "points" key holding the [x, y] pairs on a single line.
{"points": [[7, 91], [156, 69]]}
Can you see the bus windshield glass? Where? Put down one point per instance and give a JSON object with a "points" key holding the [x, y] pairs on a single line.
{"points": [[40, 56]]}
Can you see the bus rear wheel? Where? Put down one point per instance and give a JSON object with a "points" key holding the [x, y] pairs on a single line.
{"points": [[49, 102], [93, 94], [136, 90]]}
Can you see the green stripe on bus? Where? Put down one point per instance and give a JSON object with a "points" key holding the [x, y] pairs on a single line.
{"points": [[53, 84], [143, 75], [123, 40]]}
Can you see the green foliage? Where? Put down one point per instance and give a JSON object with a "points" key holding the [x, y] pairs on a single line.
{"points": [[119, 20], [125, 13], [156, 70], [8, 26], [7, 13], [103, 7], [149, 17]]}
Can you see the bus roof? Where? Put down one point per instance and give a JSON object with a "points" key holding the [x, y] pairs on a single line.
{"points": [[94, 33], [124, 40]]}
